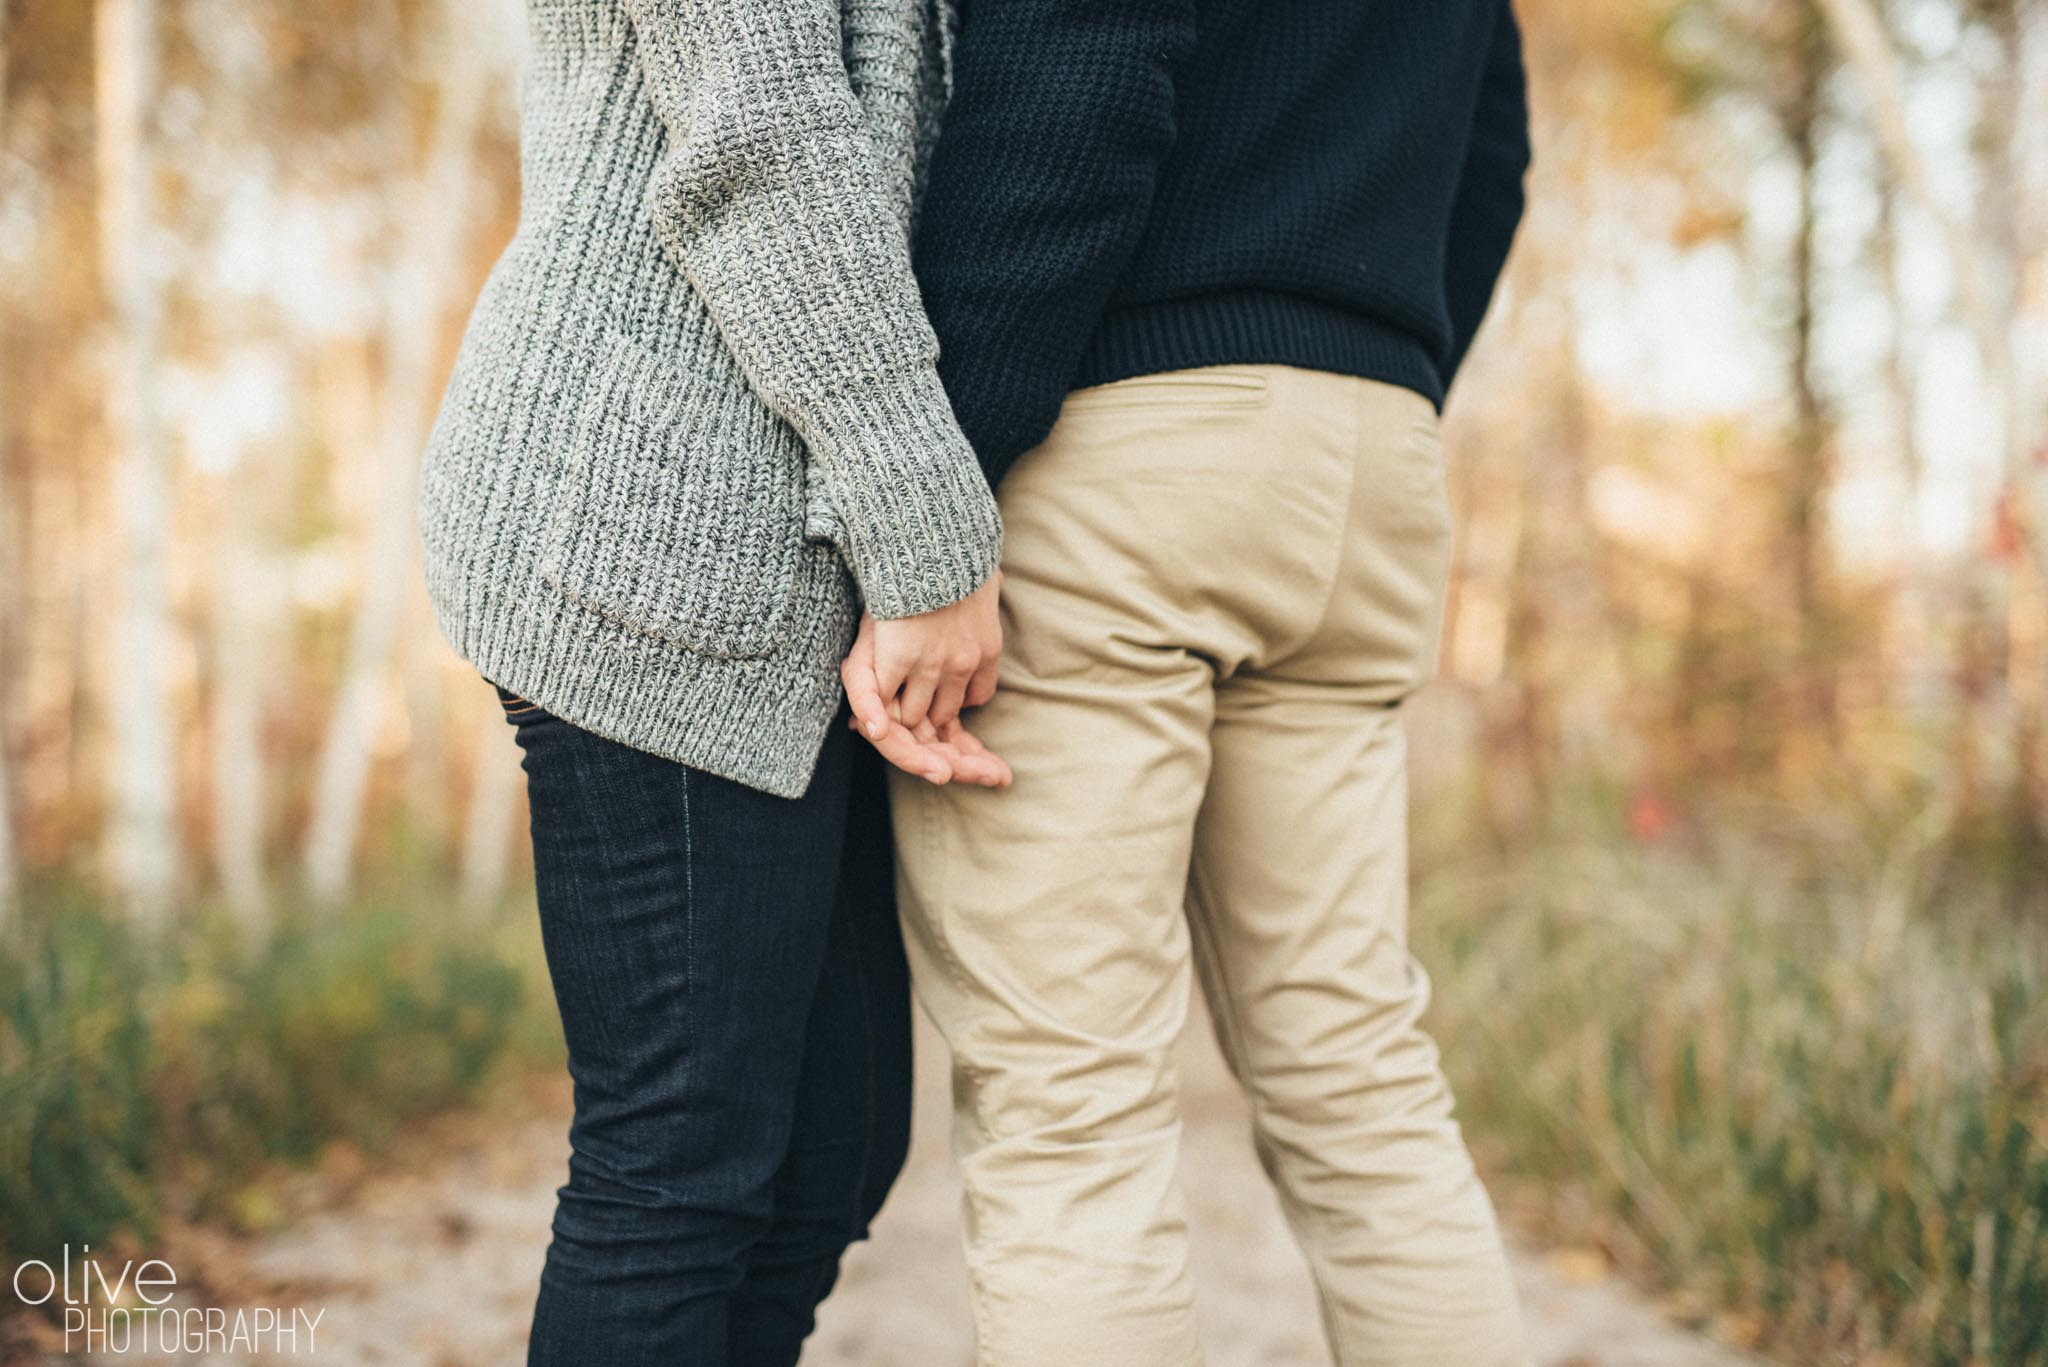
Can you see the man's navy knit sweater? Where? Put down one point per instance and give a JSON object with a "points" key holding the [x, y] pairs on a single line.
{"points": [[1124, 187]]}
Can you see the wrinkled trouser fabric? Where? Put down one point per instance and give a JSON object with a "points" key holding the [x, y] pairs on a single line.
{"points": [[1219, 587]]}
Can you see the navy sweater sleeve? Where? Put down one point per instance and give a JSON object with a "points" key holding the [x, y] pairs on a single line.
{"points": [[1062, 113], [1489, 198]]}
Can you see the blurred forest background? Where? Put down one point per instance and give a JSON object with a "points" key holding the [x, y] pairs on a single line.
{"points": [[1732, 800]]}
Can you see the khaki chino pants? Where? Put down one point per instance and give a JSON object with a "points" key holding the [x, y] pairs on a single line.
{"points": [[1219, 586]]}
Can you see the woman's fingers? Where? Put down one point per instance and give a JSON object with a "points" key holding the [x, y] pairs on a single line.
{"points": [[863, 689], [957, 672], [909, 709], [904, 751], [971, 761], [946, 702], [924, 664], [892, 665], [872, 719], [982, 686], [918, 691], [974, 761], [921, 756]]}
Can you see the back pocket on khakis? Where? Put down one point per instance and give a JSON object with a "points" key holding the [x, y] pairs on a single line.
{"points": [[681, 515]]}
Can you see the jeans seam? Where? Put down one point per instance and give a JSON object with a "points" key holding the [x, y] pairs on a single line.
{"points": [[689, 892], [867, 1131]]}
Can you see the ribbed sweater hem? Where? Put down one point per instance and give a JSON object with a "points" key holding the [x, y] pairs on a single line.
{"points": [[758, 722], [1255, 327]]}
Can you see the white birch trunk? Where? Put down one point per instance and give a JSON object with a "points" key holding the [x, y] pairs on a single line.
{"points": [[144, 843], [9, 880], [493, 810], [1984, 259], [241, 627], [423, 677], [2001, 213], [1981, 262], [2007, 216], [10, 598], [418, 297], [9, 574], [1860, 33]]}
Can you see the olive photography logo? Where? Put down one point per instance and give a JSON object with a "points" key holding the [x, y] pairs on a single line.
{"points": [[137, 1307]]}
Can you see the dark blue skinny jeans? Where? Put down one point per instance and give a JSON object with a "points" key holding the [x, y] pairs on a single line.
{"points": [[732, 989]]}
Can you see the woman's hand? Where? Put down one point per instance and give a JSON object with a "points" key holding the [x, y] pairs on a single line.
{"points": [[948, 754], [908, 678]]}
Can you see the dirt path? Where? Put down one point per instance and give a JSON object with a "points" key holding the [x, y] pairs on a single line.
{"points": [[434, 1265]]}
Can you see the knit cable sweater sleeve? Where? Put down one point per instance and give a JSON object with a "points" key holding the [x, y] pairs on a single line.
{"points": [[1489, 200], [1061, 117], [773, 201]]}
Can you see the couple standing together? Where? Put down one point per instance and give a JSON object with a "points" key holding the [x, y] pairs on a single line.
{"points": [[820, 311]]}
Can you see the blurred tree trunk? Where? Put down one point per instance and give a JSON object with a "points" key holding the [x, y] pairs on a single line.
{"points": [[1985, 266], [493, 808], [1860, 33], [144, 820], [2001, 212], [9, 878], [417, 299], [422, 662], [9, 645], [1811, 475], [1914, 600], [11, 597], [1554, 650], [241, 630], [1520, 720], [1561, 713], [1898, 358], [10, 573]]}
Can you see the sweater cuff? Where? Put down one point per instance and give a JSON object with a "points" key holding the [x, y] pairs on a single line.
{"points": [[918, 522]]}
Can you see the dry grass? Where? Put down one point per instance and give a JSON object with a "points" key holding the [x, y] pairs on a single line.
{"points": [[1806, 1089]]}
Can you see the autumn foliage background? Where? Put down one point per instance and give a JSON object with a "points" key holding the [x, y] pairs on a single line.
{"points": [[1731, 801]]}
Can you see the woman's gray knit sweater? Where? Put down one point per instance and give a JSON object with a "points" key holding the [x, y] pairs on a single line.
{"points": [[695, 419]]}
